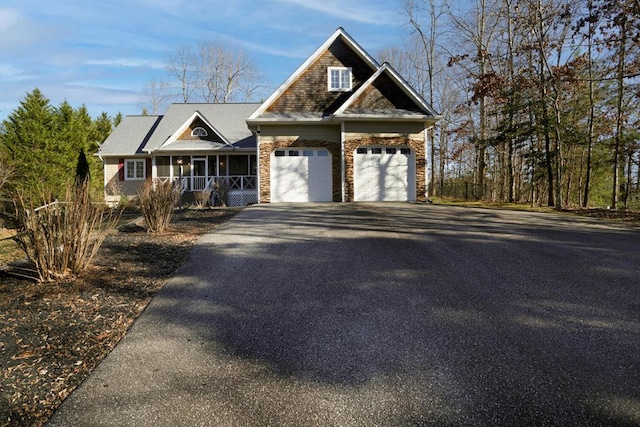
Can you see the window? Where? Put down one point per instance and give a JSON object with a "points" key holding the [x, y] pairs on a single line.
{"points": [[134, 169], [390, 150], [307, 153], [405, 151], [362, 150], [376, 150], [199, 131], [322, 153], [339, 79], [163, 166], [294, 153]]}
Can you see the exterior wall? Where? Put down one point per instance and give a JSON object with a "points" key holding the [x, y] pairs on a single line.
{"points": [[309, 92], [271, 134], [383, 94], [352, 142], [114, 188], [186, 135], [410, 130], [266, 148]]}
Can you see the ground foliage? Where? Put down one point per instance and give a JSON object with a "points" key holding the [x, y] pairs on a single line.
{"points": [[53, 335]]}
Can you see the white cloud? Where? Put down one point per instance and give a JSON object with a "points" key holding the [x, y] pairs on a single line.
{"points": [[127, 63], [352, 11], [15, 31], [12, 73]]}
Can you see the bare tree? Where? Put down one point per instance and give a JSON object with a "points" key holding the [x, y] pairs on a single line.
{"points": [[215, 72], [181, 66], [477, 32], [223, 74], [427, 40], [155, 97]]}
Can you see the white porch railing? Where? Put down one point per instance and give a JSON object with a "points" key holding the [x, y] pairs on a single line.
{"points": [[242, 190]]}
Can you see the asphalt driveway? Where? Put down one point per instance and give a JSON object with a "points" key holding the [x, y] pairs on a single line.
{"points": [[384, 314]]}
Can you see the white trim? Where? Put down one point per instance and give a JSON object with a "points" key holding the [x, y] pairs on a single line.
{"points": [[202, 131], [340, 32], [135, 169], [196, 114], [402, 84], [340, 70]]}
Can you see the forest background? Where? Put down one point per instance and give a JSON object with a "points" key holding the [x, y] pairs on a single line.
{"points": [[539, 102]]}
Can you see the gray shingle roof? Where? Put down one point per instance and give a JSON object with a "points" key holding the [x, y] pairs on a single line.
{"points": [[228, 119], [139, 134], [130, 136]]}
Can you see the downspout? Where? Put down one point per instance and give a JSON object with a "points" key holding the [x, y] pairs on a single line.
{"points": [[342, 161]]}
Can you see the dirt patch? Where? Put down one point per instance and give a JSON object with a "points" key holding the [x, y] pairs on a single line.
{"points": [[52, 335]]}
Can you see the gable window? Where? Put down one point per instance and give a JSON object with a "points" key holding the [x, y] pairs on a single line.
{"points": [[339, 79], [134, 169], [199, 131]]}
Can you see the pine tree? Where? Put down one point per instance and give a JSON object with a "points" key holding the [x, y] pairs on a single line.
{"points": [[27, 141], [83, 172]]}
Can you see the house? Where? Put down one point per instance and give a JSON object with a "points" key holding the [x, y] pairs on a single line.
{"points": [[341, 128], [197, 144]]}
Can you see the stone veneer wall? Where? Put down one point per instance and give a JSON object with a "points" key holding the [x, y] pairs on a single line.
{"points": [[265, 164], [417, 146]]}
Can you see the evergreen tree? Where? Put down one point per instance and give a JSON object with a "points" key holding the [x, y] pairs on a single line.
{"points": [[27, 141], [83, 171], [42, 143]]}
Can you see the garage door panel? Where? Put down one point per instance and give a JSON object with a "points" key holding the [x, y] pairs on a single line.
{"points": [[301, 175], [384, 174]]}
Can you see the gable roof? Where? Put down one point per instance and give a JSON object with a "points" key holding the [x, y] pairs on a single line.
{"points": [[229, 125], [140, 135], [341, 35], [173, 141], [379, 91], [411, 107], [130, 136]]}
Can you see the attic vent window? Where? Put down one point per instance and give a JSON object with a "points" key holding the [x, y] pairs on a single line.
{"points": [[199, 131], [339, 79]]}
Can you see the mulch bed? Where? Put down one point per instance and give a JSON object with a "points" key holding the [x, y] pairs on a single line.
{"points": [[52, 335]]}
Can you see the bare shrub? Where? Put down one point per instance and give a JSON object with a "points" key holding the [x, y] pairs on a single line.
{"points": [[62, 238], [221, 187], [202, 198], [157, 202]]}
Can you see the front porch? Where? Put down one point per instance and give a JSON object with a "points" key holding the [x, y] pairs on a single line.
{"points": [[235, 173]]}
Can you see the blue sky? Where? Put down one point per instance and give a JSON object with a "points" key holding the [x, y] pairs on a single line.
{"points": [[102, 53]]}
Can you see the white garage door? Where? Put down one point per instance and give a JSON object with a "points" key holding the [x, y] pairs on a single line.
{"points": [[384, 174], [301, 175]]}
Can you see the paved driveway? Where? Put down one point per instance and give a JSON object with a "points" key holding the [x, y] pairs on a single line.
{"points": [[384, 314]]}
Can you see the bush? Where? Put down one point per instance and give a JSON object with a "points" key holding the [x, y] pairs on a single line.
{"points": [[157, 202], [202, 198], [62, 238], [221, 188]]}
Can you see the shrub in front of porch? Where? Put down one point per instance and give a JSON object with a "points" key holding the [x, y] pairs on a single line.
{"points": [[157, 202]]}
